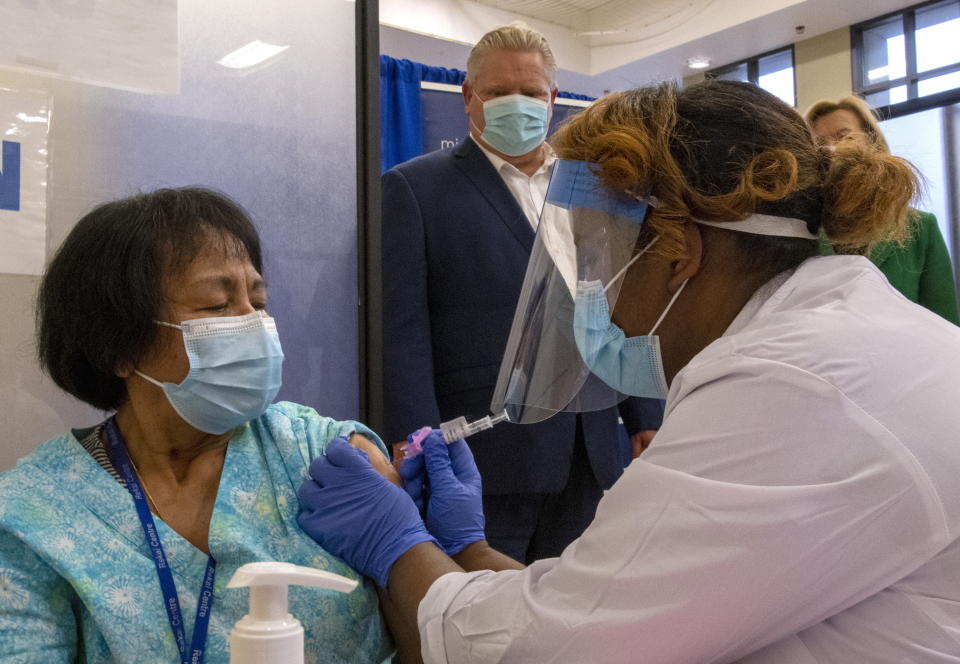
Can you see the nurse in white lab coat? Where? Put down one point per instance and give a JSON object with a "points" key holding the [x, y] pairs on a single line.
{"points": [[800, 504]]}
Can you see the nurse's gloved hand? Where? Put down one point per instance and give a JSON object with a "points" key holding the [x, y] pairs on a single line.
{"points": [[356, 514], [455, 504], [413, 473]]}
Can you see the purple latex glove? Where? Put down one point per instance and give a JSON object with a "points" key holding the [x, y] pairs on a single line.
{"points": [[356, 514], [445, 479]]}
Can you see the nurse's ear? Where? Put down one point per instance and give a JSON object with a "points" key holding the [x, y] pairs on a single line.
{"points": [[685, 268]]}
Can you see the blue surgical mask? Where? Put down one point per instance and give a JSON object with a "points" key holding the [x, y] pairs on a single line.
{"points": [[235, 371], [515, 124], [630, 365]]}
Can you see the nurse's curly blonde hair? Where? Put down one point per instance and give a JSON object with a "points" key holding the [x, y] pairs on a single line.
{"points": [[722, 150]]}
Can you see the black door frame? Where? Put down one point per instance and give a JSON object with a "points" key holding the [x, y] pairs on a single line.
{"points": [[369, 284]]}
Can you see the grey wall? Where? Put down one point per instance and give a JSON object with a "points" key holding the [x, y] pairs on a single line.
{"points": [[280, 139]]}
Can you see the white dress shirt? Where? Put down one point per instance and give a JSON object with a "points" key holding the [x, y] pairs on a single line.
{"points": [[800, 504], [529, 190]]}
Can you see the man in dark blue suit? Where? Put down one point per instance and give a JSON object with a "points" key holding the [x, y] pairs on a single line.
{"points": [[458, 228]]}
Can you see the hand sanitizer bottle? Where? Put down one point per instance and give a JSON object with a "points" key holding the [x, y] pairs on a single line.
{"points": [[269, 634]]}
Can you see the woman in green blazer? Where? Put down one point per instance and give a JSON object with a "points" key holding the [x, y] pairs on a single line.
{"points": [[921, 268]]}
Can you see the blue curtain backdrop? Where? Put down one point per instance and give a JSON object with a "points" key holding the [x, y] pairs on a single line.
{"points": [[400, 118]]}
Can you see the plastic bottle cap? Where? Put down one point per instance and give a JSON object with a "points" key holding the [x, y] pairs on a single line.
{"points": [[268, 634]]}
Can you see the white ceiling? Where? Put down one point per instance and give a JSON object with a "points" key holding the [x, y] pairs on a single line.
{"points": [[649, 37], [794, 22], [605, 22]]}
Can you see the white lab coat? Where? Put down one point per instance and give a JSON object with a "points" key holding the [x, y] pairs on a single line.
{"points": [[800, 504]]}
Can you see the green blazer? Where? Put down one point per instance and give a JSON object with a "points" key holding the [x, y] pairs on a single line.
{"points": [[921, 269]]}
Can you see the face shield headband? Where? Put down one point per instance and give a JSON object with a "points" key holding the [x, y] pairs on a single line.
{"points": [[585, 234]]}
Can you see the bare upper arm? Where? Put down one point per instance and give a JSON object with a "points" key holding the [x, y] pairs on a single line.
{"points": [[377, 458]]}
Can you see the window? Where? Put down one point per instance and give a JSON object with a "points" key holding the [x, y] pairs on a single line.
{"points": [[925, 139], [771, 71], [909, 61]]}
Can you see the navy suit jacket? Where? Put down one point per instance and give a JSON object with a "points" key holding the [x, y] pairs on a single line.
{"points": [[455, 250]]}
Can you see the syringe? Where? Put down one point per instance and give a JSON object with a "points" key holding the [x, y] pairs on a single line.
{"points": [[459, 428], [453, 430]]}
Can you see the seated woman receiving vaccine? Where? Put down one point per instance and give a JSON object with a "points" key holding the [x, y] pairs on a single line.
{"points": [[155, 308]]}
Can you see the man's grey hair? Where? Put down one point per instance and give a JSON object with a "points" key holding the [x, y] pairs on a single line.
{"points": [[513, 37]]}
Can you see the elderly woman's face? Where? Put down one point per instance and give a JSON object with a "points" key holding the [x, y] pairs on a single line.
{"points": [[216, 283]]}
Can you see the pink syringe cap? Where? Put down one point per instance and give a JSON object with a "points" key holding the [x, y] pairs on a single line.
{"points": [[415, 445]]}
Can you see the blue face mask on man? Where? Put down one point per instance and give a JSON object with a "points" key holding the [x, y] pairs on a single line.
{"points": [[630, 365], [515, 124], [235, 371]]}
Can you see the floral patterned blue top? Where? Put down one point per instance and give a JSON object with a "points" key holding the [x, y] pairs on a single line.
{"points": [[77, 582]]}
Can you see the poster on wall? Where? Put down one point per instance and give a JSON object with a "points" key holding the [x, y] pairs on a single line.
{"points": [[445, 124], [24, 126], [125, 44]]}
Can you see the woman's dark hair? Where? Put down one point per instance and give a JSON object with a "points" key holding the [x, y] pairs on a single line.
{"points": [[105, 286], [722, 150]]}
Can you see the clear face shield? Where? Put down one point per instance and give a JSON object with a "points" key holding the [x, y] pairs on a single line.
{"points": [[585, 235], [563, 340]]}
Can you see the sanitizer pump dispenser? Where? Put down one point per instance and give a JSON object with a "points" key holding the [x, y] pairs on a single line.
{"points": [[269, 634]]}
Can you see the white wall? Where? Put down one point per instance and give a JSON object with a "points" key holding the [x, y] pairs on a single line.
{"points": [[444, 53], [465, 22], [823, 68]]}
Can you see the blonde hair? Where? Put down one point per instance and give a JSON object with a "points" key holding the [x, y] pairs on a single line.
{"points": [[860, 108], [513, 37], [722, 150]]}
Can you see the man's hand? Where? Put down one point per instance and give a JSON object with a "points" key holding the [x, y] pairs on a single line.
{"points": [[641, 441]]}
